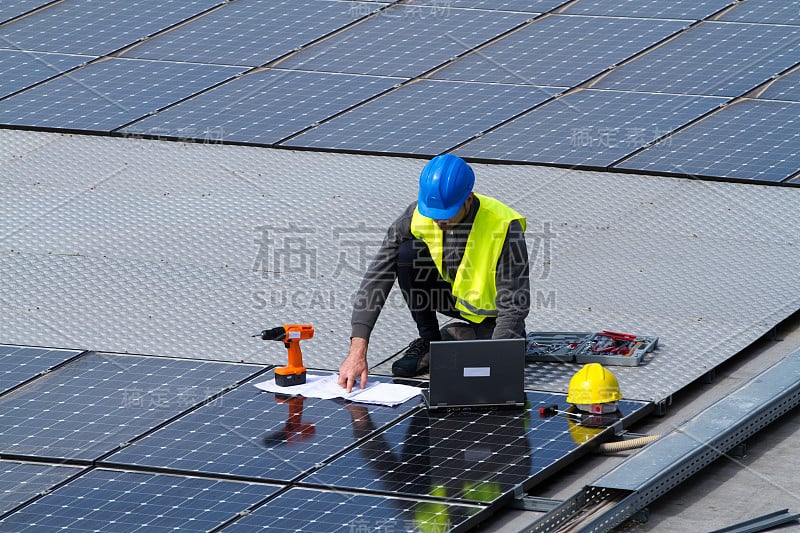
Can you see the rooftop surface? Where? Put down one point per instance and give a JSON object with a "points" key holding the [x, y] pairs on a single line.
{"points": [[167, 198]]}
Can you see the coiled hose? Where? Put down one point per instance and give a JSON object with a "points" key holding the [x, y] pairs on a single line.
{"points": [[622, 445]]}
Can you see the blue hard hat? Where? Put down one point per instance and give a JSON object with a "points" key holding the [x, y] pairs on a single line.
{"points": [[444, 186]]}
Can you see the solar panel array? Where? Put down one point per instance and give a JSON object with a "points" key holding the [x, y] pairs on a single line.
{"points": [[99, 441], [634, 85]]}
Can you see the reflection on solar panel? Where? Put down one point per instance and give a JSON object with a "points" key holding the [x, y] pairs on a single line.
{"points": [[471, 457], [677, 9], [105, 500], [23, 69], [405, 40], [589, 127], [22, 363], [713, 58], [264, 106], [9, 10], [254, 434], [100, 401], [310, 510], [750, 139], [426, 117], [766, 11], [19, 482], [109, 94], [98, 28], [787, 87], [253, 33], [560, 50]]}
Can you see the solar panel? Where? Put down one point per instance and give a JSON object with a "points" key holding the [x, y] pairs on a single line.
{"points": [[23, 363], [405, 40], [463, 456], [527, 6], [750, 139], [256, 435], [263, 106], [101, 401], [713, 58], [97, 28], [426, 117], [252, 33], [9, 10], [107, 500], [20, 482], [589, 127], [786, 87], [302, 510], [765, 11], [677, 9], [23, 69], [560, 50], [109, 94]]}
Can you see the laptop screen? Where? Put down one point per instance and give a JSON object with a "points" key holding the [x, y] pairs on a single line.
{"points": [[477, 373]]}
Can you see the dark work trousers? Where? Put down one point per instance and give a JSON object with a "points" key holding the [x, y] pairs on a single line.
{"points": [[426, 292]]}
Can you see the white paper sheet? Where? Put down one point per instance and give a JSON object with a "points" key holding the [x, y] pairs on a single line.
{"points": [[326, 387]]}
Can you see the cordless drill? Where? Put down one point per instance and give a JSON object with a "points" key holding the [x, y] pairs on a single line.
{"points": [[291, 335]]}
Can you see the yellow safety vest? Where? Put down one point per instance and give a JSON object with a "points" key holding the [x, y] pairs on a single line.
{"points": [[474, 286]]}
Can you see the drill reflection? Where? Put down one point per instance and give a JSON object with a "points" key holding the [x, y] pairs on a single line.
{"points": [[584, 426], [294, 430]]}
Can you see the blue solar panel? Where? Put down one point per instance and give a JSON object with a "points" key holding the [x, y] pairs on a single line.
{"points": [[713, 58], [589, 127], [468, 457], [264, 106], [20, 482], [751, 139], [308, 510], [23, 69], [405, 40], [108, 94], [91, 27], [100, 401], [560, 50], [676, 9], [787, 87], [252, 33], [107, 500], [23, 363], [9, 10], [528, 6], [426, 117], [765, 11], [254, 434]]}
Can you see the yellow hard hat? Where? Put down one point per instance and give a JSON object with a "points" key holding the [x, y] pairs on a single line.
{"points": [[593, 384]]}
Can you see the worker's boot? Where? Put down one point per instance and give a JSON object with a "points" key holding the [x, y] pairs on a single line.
{"points": [[415, 361]]}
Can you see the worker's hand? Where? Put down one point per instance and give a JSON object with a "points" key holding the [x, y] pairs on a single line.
{"points": [[355, 365]]}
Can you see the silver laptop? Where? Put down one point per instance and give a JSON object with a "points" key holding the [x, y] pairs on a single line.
{"points": [[476, 374]]}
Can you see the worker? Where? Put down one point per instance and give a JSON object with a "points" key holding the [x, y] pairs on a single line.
{"points": [[454, 252]]}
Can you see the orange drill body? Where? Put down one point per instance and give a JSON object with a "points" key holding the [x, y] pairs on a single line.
{"points": [[294, 373]]}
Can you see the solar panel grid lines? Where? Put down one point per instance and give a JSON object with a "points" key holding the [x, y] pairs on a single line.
{"points": [[251, 434], [99, 402], [20, 481], [722, 144], [423, 117], [589, 127], [405, 40], [97, 28], [105, 500], [680, 9], [23, 363], [286, 102], [12, 10], [764, 12], [560, 50], [253, 34], [24, 69], [736, 57], [107, 94]]}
